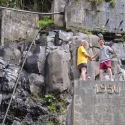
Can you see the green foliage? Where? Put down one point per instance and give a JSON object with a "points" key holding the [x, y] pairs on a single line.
{"points": [[120, 42], [114, 56], [45, 22], [12, 40], [96, 0], [15, 4], [97, 10], [112, 3], [77, 3], [34, 5], [36, 97], [103, 29], [48, 99], [55, 122], [53, 40], [54, 104], [4, 3], [45, 5], [9, 3], [87, 31], [123, 36]]}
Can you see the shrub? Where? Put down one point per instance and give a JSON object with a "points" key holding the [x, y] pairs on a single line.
{"points": [[112, 3], [45, 22]]}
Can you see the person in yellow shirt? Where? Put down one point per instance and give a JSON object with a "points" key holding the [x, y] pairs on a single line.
{"points": [[82, 59]]}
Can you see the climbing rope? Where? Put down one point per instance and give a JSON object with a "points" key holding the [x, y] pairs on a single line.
{"points": [[26, 53], [33, 42]]}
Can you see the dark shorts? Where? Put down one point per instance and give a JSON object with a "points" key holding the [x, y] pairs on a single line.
{"points": [[80, 66], [105, 65]]}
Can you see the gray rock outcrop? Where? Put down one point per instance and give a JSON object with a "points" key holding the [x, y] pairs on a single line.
{"points": [[58, 67]]}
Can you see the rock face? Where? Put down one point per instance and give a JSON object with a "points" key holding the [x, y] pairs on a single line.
{"points": [[30, 82], [98, 16], [50, 67], [36, 83], [58, 70]]}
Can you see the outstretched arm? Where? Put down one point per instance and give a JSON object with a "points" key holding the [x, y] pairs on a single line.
{"points": [[86, 54], [94, 56], [113, 50]]}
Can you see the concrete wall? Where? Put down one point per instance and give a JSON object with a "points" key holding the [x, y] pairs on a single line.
{"points": [[96, 16], [17, 25], [99, 103], [59, 6]]}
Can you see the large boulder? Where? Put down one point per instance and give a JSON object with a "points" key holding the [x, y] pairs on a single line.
{"points": [[93, 40], [36, 83], [11, 55], [36, 62], [58, 70], [75, 41]]}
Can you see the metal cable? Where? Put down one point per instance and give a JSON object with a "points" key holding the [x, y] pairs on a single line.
{"points": [[18, 79], [25, 55]]}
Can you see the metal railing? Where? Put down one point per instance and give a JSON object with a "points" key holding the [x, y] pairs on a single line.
{"points": [[39, 13]]}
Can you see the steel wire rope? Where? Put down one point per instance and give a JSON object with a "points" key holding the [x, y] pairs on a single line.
{"points": [[18, 78], [25, 55]]}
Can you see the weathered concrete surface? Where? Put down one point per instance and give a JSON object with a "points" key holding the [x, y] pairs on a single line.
{"points": [[57, 71], [99, 103], [96, 16], [58, 6], [16, 25]]}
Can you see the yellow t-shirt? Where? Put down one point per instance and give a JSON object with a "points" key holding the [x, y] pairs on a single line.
{"points": [[80, 56]]}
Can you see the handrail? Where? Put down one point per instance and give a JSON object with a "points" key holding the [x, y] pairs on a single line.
{"points": [[19, 10]]}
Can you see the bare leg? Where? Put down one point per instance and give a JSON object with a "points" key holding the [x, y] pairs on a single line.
{"points": [[83, 74], [100, 74], [110, 73], [88, 78]]}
